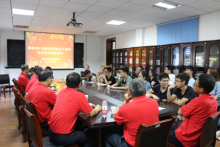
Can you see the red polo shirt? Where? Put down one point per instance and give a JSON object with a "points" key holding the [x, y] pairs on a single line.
{"points": [[195, 112], [24, 79], [43, 99], [34, 80], [66, 110], [141, 110]]}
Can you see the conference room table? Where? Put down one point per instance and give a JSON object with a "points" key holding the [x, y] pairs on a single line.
{"points": [[96, 94]]}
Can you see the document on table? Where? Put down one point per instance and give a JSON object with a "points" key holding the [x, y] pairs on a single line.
{"points": [[161, 108]]}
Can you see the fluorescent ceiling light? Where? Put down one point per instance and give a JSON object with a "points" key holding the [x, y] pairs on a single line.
{"points": [[22, 12], [165, 5], [168, 6], [115, 22]]}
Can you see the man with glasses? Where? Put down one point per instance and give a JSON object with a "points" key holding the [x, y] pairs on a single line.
{"points": [[43, 98], [183, 93], [168, 70], [107, 78], [138, 70], [161, 89]]}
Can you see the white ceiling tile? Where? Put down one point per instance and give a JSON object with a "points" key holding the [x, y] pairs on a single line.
{"points": [[182, 9], [5, 4], [24, 6], [22, 23], [98, 9], [27, 1], [203, 4], [212, 9], [184, 1], [41, 20], [90, 14], [70, 12], [109, 17], [109, 3], [22, 17], [48, 9], [76, 6], [44, 14], [131, 7], [150, 11], [5, 10], [194, 13], [85, 1], [145, 2], [118, 12], [3, 19], [81, 19], [5, 14], [53, 3]]}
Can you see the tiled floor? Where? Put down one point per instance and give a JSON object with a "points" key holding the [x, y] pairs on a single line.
{"points": [[10, 136]]}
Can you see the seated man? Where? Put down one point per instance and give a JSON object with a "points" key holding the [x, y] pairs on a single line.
{"points": [[43, 98], [138, 70], [131, 115], [86, 67], [99, 75], [65, 113], [23, 78], [183, 93], [34, 79], [31, 73], [172, 77], [107, 78], [118, 71], [124, 81], [161, 89], [49, 68], [189, 71], [90, 76], [195, 112]]}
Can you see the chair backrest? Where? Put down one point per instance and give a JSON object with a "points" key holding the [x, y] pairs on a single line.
{"points": [[24, 88], [30, 107], [17, 102], [208, 133], [82, 74], [20, 97], [156, 134], [34, 129], [4, 79], [16, 83]]}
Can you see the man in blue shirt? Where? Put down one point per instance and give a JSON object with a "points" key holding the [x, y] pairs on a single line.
{"points": [[161, 89], [189, 71]]}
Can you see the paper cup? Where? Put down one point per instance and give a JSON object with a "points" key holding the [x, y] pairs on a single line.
{"points": [[83, 81], [87, 97], [108, 86], [147, 95], [113, 109]]}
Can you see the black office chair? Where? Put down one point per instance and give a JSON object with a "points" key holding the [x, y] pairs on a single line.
{"points": [[5, 81]]}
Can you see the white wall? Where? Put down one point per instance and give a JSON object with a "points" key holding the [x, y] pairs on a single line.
{"points": [[209, 26], [93, 53], [150, 36]]}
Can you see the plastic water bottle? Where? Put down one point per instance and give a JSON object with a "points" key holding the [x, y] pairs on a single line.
{"points": [[55, 85], [104, 108]]}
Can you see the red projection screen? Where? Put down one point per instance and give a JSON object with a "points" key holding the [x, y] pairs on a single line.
{"points": [[54, 50]]}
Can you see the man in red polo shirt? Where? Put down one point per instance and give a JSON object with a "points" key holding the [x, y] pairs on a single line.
{"points": [[23, 78], [65, 113], [131, 114], [34, 79], [195, 112], [43, 98]]}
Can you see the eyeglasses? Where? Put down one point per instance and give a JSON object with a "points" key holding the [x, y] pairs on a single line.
{"points": [[165, 80], [178, 81]]}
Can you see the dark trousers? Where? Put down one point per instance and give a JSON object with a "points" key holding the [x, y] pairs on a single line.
{"points": [[115, 140], [83, 139], [173, 139], [44, 126]]}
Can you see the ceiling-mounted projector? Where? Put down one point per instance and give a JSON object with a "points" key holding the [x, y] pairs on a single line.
{"points": [[73, 22]]}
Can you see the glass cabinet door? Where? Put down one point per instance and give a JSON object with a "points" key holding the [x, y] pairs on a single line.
{"points": [[157, 61], [137, 58], [143, 59], [125, 58], [186, 56], [120, 57], [199, 60], [176, 55], [165, 58], [150, 59], [130, 62], [214, 56]]}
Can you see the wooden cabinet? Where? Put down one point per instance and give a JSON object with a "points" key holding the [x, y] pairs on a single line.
{"points": [[201, 55]]}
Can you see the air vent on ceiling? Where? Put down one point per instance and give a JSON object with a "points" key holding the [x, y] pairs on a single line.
{"points": [[21, 27], [90, 32]]}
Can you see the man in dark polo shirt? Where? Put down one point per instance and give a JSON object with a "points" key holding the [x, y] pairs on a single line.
{"points": [[183, 93], [23, 78], [43, 98], [131, 115], [65, 113], [161, 89], [107, 78], [34, 79], [195, 113]]}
